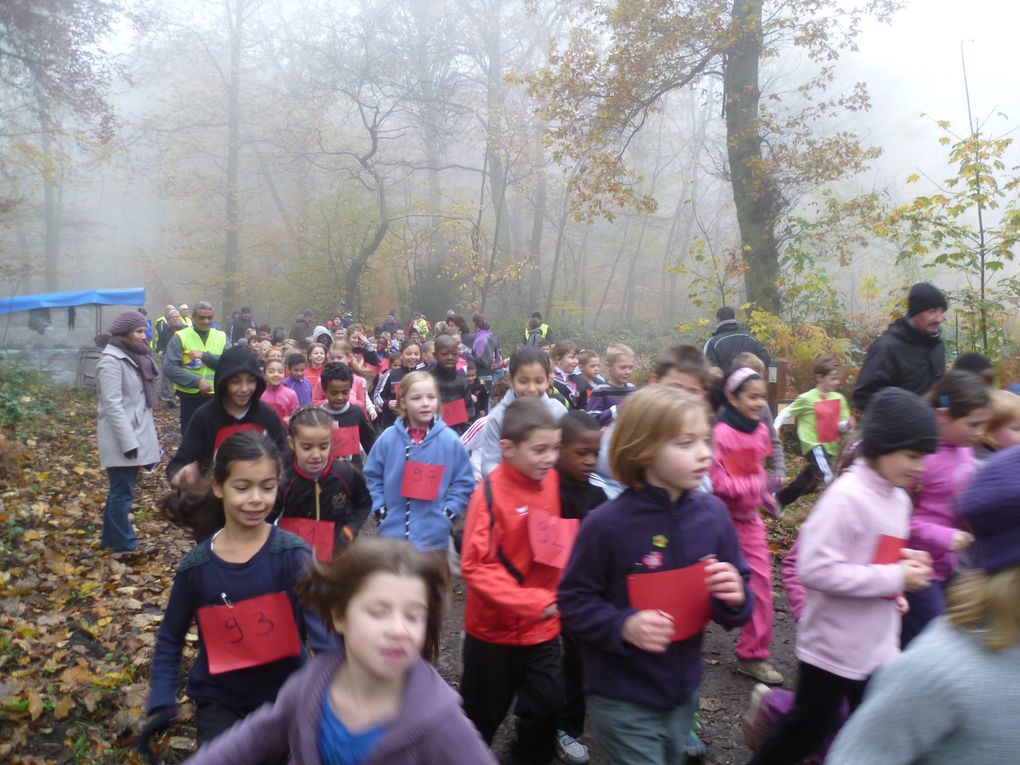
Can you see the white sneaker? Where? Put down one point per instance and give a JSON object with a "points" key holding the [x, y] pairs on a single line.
{"points": [[571, 750], [760, 670]]}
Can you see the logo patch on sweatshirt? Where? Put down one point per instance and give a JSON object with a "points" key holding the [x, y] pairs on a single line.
{"points": [[660, 540], [652, 560]]}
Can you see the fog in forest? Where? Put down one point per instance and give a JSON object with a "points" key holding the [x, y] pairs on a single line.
{"points": [[293, 154]]}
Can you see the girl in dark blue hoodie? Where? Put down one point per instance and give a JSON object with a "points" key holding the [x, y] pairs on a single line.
{"points": [[642, 663]]}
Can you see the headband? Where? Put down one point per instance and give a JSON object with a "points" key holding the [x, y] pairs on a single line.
{"points": [[738, 378]]}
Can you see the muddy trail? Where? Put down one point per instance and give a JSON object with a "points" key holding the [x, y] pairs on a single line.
{"points": [[78, 624]]}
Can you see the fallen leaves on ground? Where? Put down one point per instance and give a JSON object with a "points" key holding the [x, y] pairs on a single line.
{"points": [[77, 623]]}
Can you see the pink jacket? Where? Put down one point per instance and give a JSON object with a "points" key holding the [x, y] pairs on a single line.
{"points": [[947, 473], [358, 393], [796, 595], [281, 400], [850, 626], [742, 494]]}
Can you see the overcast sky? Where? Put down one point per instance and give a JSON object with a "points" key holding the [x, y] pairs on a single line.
{"points": [[913, 67]]}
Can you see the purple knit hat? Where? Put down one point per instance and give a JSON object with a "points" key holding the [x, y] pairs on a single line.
{"points": [[991, 509], [127, 322]]}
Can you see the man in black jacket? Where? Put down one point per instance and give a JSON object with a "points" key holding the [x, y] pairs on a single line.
{"points": [[238, 329], [910, 354], [728, 341]]}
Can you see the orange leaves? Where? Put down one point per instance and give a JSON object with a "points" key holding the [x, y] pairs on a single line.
{"points": [[63, 707], [77, 624]]}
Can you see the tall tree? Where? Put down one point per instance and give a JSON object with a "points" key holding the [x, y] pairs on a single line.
{"points": [[623, 57], [53, 73]]}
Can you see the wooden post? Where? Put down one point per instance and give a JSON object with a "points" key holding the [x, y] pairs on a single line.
{"points": [[777, 384]]}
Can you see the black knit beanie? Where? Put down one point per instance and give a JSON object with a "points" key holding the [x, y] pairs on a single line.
{"points": [[924, 296], [898, 419]]}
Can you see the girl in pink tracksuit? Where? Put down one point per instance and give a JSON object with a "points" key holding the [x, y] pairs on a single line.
{"points": [[853, 577], [961, 401], [742, 441]]}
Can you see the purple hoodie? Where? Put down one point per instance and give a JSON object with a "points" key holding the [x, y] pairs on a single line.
{"points": [[935, 520], [430, 727], [641, 531]]}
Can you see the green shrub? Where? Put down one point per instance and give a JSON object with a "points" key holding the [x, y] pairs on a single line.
{"points": [[25, 394]]}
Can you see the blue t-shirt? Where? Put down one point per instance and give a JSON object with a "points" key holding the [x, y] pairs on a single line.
{"points": [[338, 746]]}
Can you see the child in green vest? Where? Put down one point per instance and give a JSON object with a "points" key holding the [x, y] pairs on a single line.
{"points": [[822, 414]]}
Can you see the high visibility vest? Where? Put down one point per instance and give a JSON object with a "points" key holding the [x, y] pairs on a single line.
{"points": [[543, 328], [158, 327], [214, 343]]}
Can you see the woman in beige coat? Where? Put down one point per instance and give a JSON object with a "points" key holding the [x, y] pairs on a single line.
{"points": [[126, 377]]}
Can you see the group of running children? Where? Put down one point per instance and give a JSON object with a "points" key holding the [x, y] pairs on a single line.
{"points": [[598, 528]]}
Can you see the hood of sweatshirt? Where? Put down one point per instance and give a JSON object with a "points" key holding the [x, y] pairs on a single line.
{"points": [[725, 327], [903, 329], [235, 360], [405, 438], [318, 332]]}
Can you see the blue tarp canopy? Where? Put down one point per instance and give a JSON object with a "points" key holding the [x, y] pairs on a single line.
{"points": [[133, 297]]}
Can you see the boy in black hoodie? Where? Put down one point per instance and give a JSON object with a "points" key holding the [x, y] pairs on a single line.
{"points": [[579, 454], [235, 407]]}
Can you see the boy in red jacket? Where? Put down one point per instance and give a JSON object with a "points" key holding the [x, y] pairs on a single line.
{"points": [[512, 626]]}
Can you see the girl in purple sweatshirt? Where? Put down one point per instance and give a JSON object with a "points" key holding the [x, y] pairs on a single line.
{"points": [[854, 569], [962, 407], [637, 629], [378, 699]]}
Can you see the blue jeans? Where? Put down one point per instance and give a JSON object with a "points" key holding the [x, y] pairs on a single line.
{"points": [[925, 605], [118, 534], [633, 734]]}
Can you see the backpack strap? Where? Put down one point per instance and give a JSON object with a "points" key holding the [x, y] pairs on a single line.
{"points": [[511, 569]]}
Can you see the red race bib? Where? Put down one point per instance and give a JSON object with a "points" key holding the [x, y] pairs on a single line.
{"points": [[249, 633], [421, 480], [455, 412], [681, 593], [742, 462], [318, 534], [346, 441], [551, 537], [827, 420], [888, 550]]}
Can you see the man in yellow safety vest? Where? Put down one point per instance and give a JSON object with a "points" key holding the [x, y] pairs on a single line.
{"points": [[190, 361], [542, 327]]}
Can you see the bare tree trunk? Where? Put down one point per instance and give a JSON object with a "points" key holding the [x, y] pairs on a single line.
{"points": [[51, 203], [535, 247], [612, 273], [231, 264], [495, 103], [561, 234], [754, 192], [582, 275], [352, 291], [627, 309]]}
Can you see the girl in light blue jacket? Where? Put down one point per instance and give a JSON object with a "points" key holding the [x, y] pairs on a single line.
{"points": [[418, 472]]}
